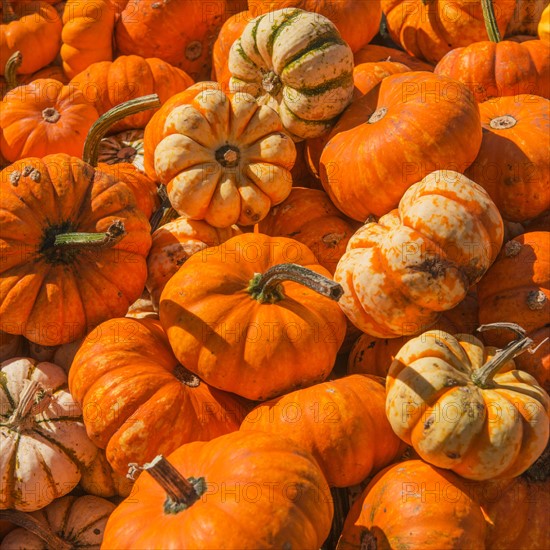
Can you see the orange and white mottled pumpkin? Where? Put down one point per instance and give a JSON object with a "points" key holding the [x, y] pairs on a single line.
{"points": [[399, 273], [44, 441], [224, 158], [297, 62]]}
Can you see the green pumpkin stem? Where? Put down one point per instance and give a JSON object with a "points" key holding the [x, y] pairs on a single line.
{"points": [[114, 234], [103, 124], [266, 287], [484, 376], [490, 21], [12, 64], [31, 524], [181, 493]]}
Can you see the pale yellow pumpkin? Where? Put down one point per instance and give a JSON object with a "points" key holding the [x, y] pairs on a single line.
{"points": [[297, 62]]}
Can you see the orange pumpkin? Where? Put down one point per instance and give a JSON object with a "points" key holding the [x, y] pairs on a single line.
{"points": [[342, 423], [42, 118], [57, 280], [377, 53], [309, 216], [109, 83], [138, 401], [367, 75], [34, 29], [246, 324], [517, 287], [87, 34], [543, 27], [399, 273], [513, 163], [281, 501], [174, 243], [496, 69], [377, 150]]}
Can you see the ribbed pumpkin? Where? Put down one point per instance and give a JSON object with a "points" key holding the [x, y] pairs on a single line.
{"points": [[57, 280], [249, 325], [414, 505], [309, 216], [138, 401], [68, 522], [517, 287], [377, 149], [87, 34], [43, 118], [34, 29], [496, 69], [357, 22], [375, 53], [101, 480], [399, 273], [44, 442], [282, 499], [109, 83], [513, 163], [223, 157], [174, 243], [367, 75], [465, 407], [342, 423], [296, 62]]}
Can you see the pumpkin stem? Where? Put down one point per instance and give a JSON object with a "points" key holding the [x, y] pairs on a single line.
{"points": [[8, 15], [113, 235], [12, 64], [181, 493], [484, 376], [34, 400], [31, 524], [271, 83], [186, 377], [490, 21], [102, 125], [165, 213], [266, 287]]}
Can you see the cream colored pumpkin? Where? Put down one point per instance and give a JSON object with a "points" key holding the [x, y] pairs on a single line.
{"points": [[444, 398], [297, 62], [126, 146], [43, 439], [420, 259], [224, 158]]}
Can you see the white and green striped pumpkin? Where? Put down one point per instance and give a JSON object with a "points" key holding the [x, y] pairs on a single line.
{"points": [[296, 62], [43, 438]]}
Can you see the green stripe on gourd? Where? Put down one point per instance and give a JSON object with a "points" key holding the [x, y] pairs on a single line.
{"points": [[338, 82], [277, 29], [321, 43]]}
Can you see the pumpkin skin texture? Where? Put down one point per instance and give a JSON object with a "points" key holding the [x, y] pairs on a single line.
{"points": [[77, 520], [135, 394], [35, 31], [101, 480], [180, 33], [384, 124], [513, 163], [517, 287], [53, 297], [429, 30], [309, 216], [543, 27], [526, 17], [42, 118], [291, 507], [412, 504], [44, 449], [537, 364], [357, 22], [87, 34], [505, 68], [374, 53], [296, 62], [174, 243], [399, 273], [240, 344], [224, 158], [367, 75], [342, 423], [109, 83], [434, 404]]}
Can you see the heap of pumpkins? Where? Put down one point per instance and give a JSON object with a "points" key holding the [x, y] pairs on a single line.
{"points": [[274, 274]]}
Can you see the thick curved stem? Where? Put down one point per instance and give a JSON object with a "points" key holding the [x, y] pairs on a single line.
{"points": [[31, 524], [10, 71], [113, 235], [490, 21], [484, 376], [102, 125], [32, 401], [266, 287]]}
